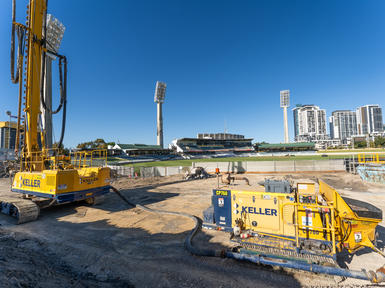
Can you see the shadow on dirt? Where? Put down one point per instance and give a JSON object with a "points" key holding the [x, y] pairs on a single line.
{"points": [[112, 203], [55, 252]]}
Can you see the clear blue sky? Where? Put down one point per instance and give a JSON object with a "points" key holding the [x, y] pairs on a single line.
{"points": [[223, 61]]}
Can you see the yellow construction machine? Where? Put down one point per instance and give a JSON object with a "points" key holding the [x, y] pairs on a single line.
{"points": [[46, 176], [302, 226]]}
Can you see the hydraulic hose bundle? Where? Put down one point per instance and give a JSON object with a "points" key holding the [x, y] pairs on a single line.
{"points": [[62, 82], [20, 48], [22, 31]]}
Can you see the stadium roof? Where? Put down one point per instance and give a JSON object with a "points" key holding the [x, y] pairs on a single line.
{"points": [[139, 147], [210, 139], [288, 145]]}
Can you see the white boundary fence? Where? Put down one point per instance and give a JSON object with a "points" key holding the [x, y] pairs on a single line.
{"points": [[146, 172], [123, 170], [161, 171], [273, 166], [238, 167]]}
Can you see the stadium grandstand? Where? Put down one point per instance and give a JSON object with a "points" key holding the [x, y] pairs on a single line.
{"points": [[284, 147], [219, 144], [140, 151]]}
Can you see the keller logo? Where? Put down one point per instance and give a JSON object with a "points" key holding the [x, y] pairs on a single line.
{"points": [[259, 211], [30, 182]]}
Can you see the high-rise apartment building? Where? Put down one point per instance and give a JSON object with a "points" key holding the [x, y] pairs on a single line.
{"points": [[7, 135], [369, 119], [309, 123], [343, 124]]}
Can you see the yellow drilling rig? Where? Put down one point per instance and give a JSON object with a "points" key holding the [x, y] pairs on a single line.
{"points": [[46, 176]]}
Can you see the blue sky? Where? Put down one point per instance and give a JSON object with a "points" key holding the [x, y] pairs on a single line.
{"points": [[223, 62]]}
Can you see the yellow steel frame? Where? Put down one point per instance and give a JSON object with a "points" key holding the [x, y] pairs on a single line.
{"points": [[80, 159], [375, 158], [83, 159], [37, 159], [298, 226]]}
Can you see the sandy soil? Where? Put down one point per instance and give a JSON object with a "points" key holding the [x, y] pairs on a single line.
{"points": [[112, 245]]}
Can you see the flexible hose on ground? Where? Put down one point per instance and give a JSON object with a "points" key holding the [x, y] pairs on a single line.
{"points": [[190, 236]]}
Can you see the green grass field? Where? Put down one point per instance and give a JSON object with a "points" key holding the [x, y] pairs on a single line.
{"points": [[234, 159], [378, 150]]}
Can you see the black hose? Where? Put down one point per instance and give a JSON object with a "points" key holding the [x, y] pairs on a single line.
{"points": [[20, 48], [15, 78], [190, 236], [44, 44], [346, 232], [63, 83], [44, 56], [63, 92]]}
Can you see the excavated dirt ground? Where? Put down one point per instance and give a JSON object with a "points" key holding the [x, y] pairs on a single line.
{"points": [[113, 245]]}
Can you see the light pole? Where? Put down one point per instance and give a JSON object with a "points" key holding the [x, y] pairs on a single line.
{"points": [[160, 93], [285, 102]]}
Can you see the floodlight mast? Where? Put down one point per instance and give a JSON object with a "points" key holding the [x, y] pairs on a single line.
{"points": [[285, 102], [55, 32], [160, 93]]}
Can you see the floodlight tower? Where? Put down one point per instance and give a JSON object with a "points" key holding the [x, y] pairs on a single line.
{"points": [[55, 32], [160, 93], [285, 102]]}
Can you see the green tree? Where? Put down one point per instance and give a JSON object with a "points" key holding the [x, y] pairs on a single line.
{"points": [[61, 149], [379, 141], [360, 144], [98, 143]]}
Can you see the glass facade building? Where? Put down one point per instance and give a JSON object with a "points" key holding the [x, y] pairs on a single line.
{"points": [[343, 124]]}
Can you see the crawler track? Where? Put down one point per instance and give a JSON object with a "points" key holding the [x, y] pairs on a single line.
{"points": [[23, 210], [279, 248]]}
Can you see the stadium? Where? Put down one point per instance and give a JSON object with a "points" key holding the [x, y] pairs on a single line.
{"points": [[214, 145]]}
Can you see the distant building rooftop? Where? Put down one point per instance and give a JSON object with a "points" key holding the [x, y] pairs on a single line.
{"points": [[6, 124]]}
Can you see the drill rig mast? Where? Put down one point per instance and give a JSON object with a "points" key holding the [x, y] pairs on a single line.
{"points": [[46, 176]]}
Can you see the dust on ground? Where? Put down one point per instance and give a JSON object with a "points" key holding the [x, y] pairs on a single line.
{"points": [[113, 245]]}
